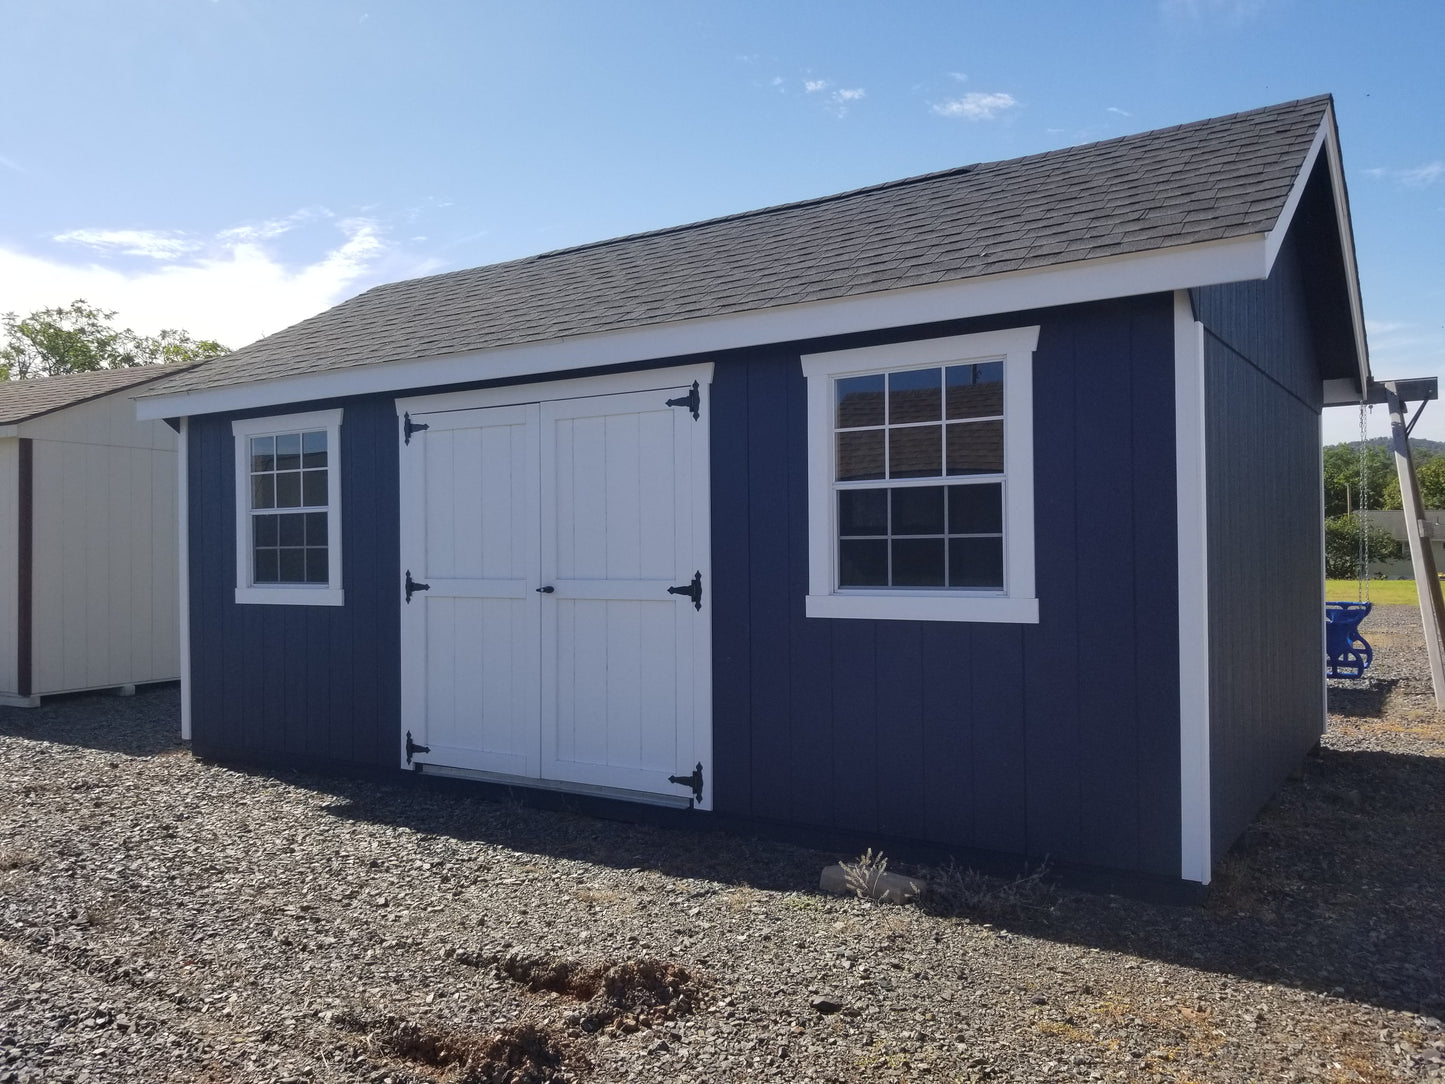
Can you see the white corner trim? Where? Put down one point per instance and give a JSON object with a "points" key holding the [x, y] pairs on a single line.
{"points": [[1157, 271], [1018, 602], [288, 594], [183, 570], [1195, 822]]}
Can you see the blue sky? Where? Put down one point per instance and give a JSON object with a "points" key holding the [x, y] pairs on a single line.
{"points": [[232, 166]]}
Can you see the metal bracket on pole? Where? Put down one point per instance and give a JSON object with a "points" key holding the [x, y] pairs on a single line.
{"points": [[1427, 582]]}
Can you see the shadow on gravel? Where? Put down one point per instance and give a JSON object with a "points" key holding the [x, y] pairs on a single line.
{"points": [[1337, 887], [143, 725], [1361, 699]]}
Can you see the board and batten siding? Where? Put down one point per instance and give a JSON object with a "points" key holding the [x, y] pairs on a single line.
{"points": [[103, 577], [299, 684], [9, 558], [1263, 394], [1058, 739]]}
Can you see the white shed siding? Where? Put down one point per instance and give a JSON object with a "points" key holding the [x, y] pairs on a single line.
{"points": [[9, 514], [105, 548]]}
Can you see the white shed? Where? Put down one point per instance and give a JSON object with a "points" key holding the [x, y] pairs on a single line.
{"points": [[88, 533]]}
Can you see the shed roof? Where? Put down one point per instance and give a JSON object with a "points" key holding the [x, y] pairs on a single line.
{"points": [[1209, 181], [21, 400]]}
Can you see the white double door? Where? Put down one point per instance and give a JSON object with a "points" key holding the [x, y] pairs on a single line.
{"points": [[541, 530]]}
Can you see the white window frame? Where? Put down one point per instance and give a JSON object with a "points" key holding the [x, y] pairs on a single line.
{"points": [[1017, 602], [288, 594]]}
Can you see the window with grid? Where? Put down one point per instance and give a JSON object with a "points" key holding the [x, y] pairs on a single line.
{"points": [[287, 502], [920, 479]]}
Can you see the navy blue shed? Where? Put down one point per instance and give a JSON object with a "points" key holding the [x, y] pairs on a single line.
{"points": [[979, 512]]}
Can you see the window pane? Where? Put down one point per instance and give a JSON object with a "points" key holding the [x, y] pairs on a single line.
{"points": [[288, 451], [918, 510], [863, 511], [918, 562], [915, 396], [313, 488], [860, 401], [263, 491], [975, 448], [266, 567], [313, 449], [860, 455], [863, 563], [293, 566], [975, 509], [263, 530], [316, 528], [916, 452], [316, 566], [975, 391], [263, 453], [292, 530], [288, 490], [975, 562]]}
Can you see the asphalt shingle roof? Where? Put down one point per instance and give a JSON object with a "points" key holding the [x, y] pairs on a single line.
{"points": [[1210, 180], [21, 400]]}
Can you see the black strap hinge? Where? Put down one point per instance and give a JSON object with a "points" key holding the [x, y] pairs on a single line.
{"points": [[693, 590], [413, 748], [694, 781], [408, 427], [692, 400], [412, 586]]}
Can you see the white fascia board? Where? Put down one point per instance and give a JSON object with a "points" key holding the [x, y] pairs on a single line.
{"points": [[1327, 142], [1157, 271], [9, 430]]}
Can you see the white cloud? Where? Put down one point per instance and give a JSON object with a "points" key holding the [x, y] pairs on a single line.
{"points": [[856, 94], [813, 86], [1120, 112], [1415, 177], [977, 106], [958, 77], [154, 244], [10, 164], [233, 287]]}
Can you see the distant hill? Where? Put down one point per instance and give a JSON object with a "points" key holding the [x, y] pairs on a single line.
{"points": [[1419, 445]]}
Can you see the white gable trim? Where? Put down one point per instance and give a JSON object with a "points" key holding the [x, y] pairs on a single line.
{"points": [[1156, 271], [1327, 141]]}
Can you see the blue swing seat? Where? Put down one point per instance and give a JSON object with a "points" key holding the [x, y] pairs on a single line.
{"points": [[1349, 653]]}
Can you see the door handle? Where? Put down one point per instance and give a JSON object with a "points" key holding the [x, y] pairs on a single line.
{"points": [[546, 590]]}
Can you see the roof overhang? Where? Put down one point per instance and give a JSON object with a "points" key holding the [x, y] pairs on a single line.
{"points": [[1157, 271]]}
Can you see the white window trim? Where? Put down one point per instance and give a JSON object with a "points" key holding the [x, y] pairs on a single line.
{"points": [[284, 594], [1018, 602]]}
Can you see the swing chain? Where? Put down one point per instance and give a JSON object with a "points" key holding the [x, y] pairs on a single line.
{"points": [[1362, 556]]}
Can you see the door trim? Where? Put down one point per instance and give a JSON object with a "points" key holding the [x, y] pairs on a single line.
{"points": [[582, 387]]}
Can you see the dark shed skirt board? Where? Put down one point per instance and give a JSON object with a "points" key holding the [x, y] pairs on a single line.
{"points": [[946, 568]]}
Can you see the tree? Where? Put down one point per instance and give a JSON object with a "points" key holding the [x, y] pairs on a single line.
{"points": [[80, 338], [1429, 477], [1342, 478], [1342, 546]]}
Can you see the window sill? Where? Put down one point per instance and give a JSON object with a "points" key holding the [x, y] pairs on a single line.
{"points": [[290, 596], [920, 606]]}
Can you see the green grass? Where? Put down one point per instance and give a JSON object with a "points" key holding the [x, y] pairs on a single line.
{"points": [[1381, 591]]}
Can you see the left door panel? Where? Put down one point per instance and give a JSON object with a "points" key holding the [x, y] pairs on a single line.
{"points": [[469, 520]]}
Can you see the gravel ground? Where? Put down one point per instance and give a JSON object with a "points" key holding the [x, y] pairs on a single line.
{"points": [[168, 920]]}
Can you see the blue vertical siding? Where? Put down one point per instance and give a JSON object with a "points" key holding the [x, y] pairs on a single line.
{"points": [[1265, 507], [1052, 740], [1058, 739], [298, 684]]}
